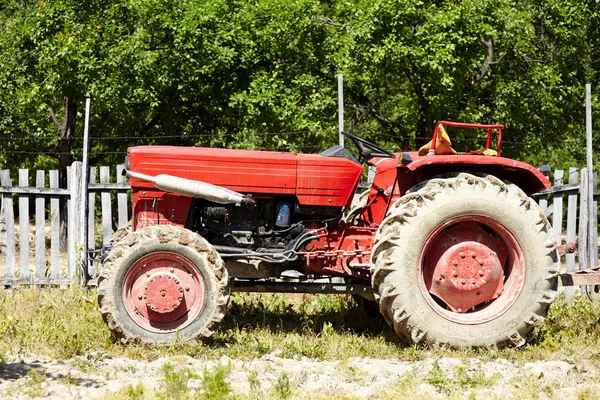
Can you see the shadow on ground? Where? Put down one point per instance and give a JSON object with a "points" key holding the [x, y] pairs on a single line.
{"points": [[336, 314]]}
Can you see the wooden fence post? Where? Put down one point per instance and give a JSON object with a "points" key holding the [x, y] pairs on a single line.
{"points": [[9, 218], [122, 197], [582, 247], [24, 228], [106, 207], [40, 229], [92, 222], [75, 235], [55, 229], [571, 226], [557, 206]]}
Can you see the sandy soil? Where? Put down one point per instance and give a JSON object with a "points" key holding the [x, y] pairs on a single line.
{"points": [[95, 377]]}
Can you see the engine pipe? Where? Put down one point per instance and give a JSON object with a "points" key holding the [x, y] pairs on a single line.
{"points": [[203, 190]]}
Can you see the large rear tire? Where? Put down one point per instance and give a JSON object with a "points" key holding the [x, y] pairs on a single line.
{"points": [[465, 261], [163, 284]]}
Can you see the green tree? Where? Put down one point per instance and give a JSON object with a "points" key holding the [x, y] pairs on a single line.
{"points": [[262, 74]]}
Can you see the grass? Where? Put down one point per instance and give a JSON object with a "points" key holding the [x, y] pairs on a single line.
{"points": [[66, 323]]}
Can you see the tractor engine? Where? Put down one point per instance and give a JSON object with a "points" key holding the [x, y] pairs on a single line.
{"points": [[269, 224], [251, 203]]}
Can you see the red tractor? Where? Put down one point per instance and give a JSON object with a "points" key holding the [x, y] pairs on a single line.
{"points": [[450, 246]]}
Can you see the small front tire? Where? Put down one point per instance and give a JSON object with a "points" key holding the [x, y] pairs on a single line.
{"points": [[163, 284]]}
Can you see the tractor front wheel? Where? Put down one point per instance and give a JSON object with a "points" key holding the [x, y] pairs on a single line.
{"points": [[163, 284], [465, 261]]}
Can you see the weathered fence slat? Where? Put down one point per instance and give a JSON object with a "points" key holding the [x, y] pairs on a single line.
{"points": [[557, 206], [54, 230], [571, 226], [543, 203], [92, 221], [24, 274], [593, 244], [40, 229], [75, 228], [106, 207], [122, 197], [582, 246], [9, 218]]}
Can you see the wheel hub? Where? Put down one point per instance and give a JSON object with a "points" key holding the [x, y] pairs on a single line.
{"points": [[464, 267], [163, 292]]}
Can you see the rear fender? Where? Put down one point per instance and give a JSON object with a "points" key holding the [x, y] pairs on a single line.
{"points": [[526, 177]]}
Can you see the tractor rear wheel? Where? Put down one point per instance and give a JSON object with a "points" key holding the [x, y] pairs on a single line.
{"points": [[465, 261], [163, 284]]}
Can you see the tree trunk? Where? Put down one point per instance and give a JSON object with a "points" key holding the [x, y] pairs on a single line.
{"points": [[425, 121], [67, 132]]}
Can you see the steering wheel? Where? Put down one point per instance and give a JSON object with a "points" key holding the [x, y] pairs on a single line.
{"points": [[368, 150]]}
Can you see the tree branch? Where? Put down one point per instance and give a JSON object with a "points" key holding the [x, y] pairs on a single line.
{"points": [[423, 103], [53, 116], [489, 60], [385, 122]]}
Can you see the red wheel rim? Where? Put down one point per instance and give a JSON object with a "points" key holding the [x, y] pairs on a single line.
{"points": [[163, 291], [471, 270]]}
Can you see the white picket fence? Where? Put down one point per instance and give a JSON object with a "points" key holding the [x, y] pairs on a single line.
{"points": [[34, 257]]}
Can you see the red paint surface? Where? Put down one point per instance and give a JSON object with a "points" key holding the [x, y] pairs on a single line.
{"points": [[184, 294], [315, 180], [524, 175], [343, 251], [464, 266], [506, 287], [154, 207]]}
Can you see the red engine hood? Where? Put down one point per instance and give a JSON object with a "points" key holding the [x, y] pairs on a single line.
{"points": [[315, 180]]}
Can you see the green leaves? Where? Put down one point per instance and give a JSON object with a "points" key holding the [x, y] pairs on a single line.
{"points": [[231, 73]]}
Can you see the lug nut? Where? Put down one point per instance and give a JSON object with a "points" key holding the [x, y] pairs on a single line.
{"points": [[480, 273], [455, 263], [148, 274], [140, 297], [473, 281], [187, 289], [480, 262], [172, 270], [473, 255], [462, 255], [463, 281], [454, 274]]}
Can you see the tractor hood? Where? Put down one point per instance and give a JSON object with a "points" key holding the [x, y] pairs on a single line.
{"points": [[315, 180]]}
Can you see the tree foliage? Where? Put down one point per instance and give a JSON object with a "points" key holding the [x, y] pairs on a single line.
{"points": [[262, 74]]}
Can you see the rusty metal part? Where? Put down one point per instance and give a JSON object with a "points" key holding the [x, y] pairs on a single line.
{"points": [[568, 248], [302, 287], [580, 278]]}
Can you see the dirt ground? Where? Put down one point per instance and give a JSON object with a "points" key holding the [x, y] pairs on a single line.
{"points": [[96, 377]]}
